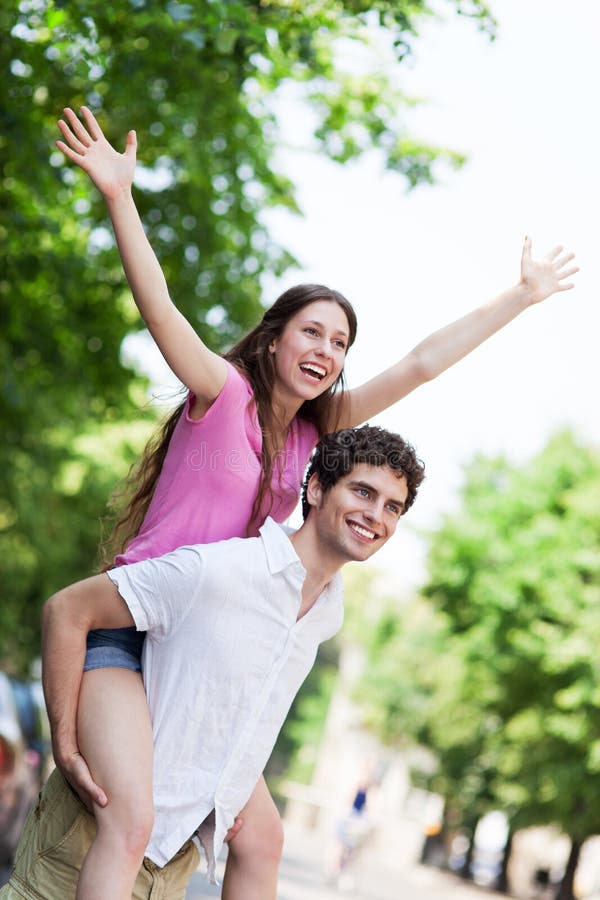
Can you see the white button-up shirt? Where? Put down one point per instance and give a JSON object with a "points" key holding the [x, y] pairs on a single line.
{"points": [[224, 657]]}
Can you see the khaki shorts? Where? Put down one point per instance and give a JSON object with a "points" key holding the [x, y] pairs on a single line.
{"points": [[55, 839]]}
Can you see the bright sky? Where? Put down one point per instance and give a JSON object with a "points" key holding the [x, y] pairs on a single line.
{"points": [[525, 111]]}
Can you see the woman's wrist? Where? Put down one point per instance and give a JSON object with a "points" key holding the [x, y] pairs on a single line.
{"points": [[523, 295], [119, 197]]}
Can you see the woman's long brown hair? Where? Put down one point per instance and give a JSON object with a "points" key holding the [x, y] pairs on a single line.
{"points": [[253, 360]]}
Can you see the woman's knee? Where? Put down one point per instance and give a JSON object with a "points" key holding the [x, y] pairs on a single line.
{"points": [[128, 828], [137, 835]]}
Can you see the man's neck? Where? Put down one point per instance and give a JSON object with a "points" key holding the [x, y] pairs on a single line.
{"points": [[320, 567]]}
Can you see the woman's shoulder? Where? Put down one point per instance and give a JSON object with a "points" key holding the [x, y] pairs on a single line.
{"points": [[232, 398], [237, 380]]}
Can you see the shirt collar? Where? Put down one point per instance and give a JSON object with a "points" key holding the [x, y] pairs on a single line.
{"points": [[281, 555], [278, 547]]}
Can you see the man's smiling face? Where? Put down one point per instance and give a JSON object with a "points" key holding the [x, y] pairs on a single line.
{"points": [[360, 512]]}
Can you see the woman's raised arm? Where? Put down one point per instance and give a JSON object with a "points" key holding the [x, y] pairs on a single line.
{"points": [[447, 346], [201, 370]]}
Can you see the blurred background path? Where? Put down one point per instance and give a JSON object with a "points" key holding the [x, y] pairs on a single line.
{"points": [[302, 877]]}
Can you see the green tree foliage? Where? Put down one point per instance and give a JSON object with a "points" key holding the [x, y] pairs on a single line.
{"points": [[196, 80], [518, 574], [505, 689]]}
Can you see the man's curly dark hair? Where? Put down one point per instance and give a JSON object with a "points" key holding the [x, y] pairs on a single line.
{"points": [[338, 453]]}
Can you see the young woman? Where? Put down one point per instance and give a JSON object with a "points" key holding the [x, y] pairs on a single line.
{"points": [[234, 452]]}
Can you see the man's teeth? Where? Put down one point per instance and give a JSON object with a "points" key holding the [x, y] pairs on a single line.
{"points": [[364, 532], [317, 371]]}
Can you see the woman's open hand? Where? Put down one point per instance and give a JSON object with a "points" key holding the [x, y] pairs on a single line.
{"points": [[86, 146], [547, 276]]}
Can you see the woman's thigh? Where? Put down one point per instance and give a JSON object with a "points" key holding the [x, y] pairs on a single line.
{"points": [[115, 738]]}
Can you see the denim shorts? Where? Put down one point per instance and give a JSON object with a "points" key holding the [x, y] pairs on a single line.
{"points": [[120, 647]]}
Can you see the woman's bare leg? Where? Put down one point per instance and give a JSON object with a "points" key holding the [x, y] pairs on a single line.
{"points": [[115, 738], [255, 853]]}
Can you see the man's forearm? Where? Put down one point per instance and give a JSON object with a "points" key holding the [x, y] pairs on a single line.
{"points": [[66, 620], [63, 655]]}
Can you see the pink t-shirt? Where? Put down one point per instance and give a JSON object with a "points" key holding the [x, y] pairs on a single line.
{"points": [[211, 472]]}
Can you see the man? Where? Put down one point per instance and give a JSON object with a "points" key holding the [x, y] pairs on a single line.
{"points": [[232, 631]]}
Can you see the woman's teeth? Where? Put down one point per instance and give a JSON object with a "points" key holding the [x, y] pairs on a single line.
{"points": [[316, 371]]}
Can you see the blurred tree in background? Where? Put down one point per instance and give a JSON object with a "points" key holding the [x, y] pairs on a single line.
{"points": [[196, 80], [499, 674]]}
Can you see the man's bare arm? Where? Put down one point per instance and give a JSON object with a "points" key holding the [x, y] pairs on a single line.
{"points": [[67, 617]]}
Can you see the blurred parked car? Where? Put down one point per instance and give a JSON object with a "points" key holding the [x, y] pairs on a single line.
{"points": [[24, 752]]}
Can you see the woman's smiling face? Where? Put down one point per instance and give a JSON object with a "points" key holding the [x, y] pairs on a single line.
{"points": [[310, 352]]}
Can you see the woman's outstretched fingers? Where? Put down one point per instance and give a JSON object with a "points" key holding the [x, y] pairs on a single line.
{"points": [[561, 263], [70, 154], [92, 123], [76, 127], [131, 144], [570, 284], [70, 138], [562, 273]]}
